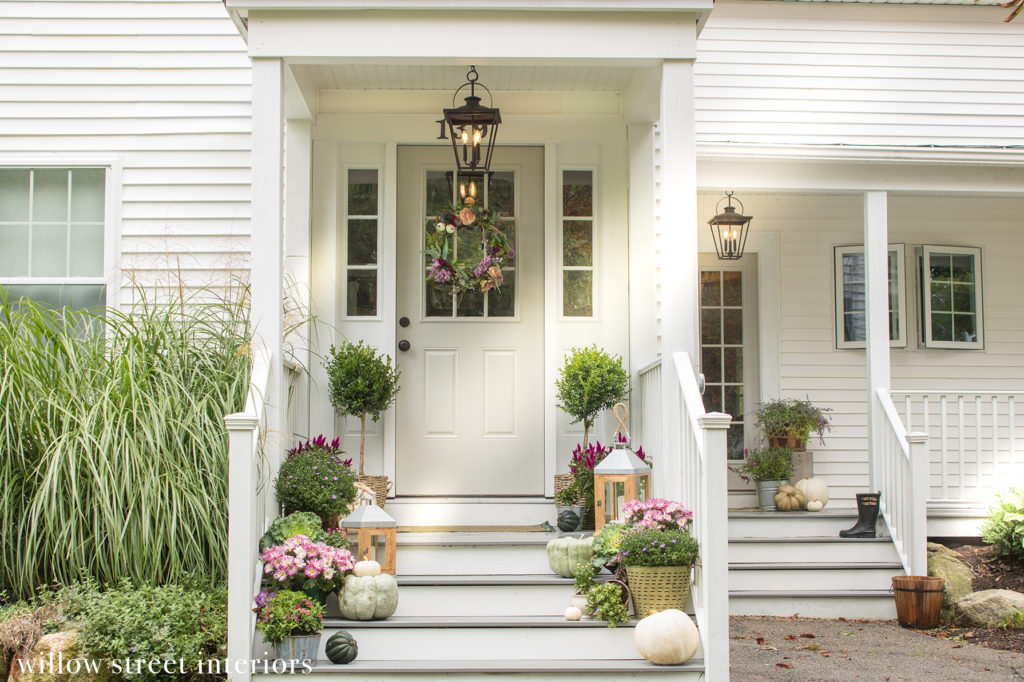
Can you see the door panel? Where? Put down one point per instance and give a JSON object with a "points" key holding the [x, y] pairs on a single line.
{"points": [[470, 413]]}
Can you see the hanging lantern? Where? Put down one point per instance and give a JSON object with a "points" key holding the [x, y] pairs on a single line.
{"points": [[620, 478], [374, 532], [729, 229], [473, 129]]}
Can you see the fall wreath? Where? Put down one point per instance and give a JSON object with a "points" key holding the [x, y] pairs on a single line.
{"points": [[464, 274]]}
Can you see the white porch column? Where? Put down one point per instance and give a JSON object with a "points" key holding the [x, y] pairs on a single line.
{"points": [[876, 299], [643, 313], [298, 151], [268, 236], [678, 246]]}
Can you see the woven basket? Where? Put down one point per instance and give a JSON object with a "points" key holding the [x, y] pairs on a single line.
{"points": [[656, 588], [380, 485]]}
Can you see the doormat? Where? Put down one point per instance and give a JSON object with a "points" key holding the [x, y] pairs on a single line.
{"points": [[539, 528]]}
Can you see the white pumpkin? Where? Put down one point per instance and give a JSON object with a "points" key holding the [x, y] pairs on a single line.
{"points": [[815, 505], [573, 613], [814, 490], [368, 597], [667, 638], [364, 568], [566, 553]]}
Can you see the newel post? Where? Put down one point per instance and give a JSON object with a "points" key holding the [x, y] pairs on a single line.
{"points": [[917, 552], [242, 431], [714, 540]]}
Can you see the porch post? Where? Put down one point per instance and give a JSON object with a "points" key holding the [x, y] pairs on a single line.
{"points": [[298, 133], [678, 224], [876, 300]]}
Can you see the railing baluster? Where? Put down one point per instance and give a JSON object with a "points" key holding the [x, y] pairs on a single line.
{"points": [[977, 446], [1014, 458], [960, 440], [995, 441]]}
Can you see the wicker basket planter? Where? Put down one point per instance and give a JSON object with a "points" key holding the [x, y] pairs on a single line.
{"points": [[380, 485], [656, 588]]}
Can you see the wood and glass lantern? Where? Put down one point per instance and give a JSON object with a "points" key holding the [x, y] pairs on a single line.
{"points": [[374, 532], [620, 478]]}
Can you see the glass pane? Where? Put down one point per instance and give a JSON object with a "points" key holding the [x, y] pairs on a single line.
{"points": [[362, 192], [362, 242], [894, 326], [14, 194], [471, 304], [854, 327], [362, 293], [470, 243], [853, 297], [710, 325], [577, 293], [711, 288], [713, 399], [508, 227], [964, 328], [439, 301], [942, 327], [942, 297], [577, 242], [86, 251], [735, 441], [853, 267], [733, 326], [87, 196], [732, 288], [503, 303], [49, 251], [963, 298], [75, 296], [733, 362], [50, 195], [734, 402], [577, 193], [963, 268], [940, 267], [439, 192], [711, 364], [13, 250], [501, 193]]}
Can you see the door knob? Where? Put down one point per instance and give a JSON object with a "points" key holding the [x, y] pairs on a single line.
{"points": [[404, 345]]}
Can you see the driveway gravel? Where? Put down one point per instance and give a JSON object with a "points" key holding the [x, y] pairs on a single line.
{"points": [[766, 648]]}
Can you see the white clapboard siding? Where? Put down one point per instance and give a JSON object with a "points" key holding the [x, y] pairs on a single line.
{"points": [[784, 73], [165, 87]]}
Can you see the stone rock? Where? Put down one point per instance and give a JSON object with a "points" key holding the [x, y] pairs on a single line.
{"points": [[936, 547], [987, 608], [43, 663], [958, 580]]}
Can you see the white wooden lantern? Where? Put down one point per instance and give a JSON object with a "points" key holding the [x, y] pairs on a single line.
{"points": [[620, 478], [374, 532]]}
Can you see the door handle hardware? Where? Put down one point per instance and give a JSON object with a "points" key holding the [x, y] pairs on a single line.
{"points": [[404, 345]]}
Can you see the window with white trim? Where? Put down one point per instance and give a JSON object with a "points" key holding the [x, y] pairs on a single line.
{"points": [[577, 243], [52, 224], [951, 297], [851, 290], [362, 224]]}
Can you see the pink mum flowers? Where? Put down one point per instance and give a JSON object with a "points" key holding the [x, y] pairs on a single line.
{"points": [[300, 563], [657, 514]]}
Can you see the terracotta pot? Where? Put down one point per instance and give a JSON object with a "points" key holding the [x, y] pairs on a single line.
{"points": [[790, 442]]}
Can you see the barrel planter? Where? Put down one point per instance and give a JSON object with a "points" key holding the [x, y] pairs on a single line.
{"points": [[918, 600]]}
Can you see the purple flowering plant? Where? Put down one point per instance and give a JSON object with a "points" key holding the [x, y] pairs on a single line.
{"points": [[288, 613], [654, 547], [316, 478]]}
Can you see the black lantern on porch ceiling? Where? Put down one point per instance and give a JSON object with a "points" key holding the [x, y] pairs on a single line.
{"points": [[729, 229], [473, 129]]}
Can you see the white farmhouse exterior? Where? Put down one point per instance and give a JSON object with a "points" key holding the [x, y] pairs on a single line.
{"points": [[194, 144]]}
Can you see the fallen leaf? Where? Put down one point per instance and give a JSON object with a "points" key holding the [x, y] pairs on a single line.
{"points": [[988, 669], [759, 640], [783, 665], [957, 646], [790, 638], [808, 636], [841, 619]]}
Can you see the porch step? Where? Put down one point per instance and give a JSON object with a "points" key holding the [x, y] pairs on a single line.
{"points": [[866, 604], [812, 550], [501, 512], [797, 524], [422, 596], [473, 553], [770, 577]]}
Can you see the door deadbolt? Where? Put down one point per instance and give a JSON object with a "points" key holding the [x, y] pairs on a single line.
{"points": [[403, 322]]}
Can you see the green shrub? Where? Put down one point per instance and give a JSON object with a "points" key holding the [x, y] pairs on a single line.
{"points": [[170, 622], [113, 451], [767, 464], [658, 548], [1004, 528], [605, 602], [315, 481], [591, 381], [288, 613]]}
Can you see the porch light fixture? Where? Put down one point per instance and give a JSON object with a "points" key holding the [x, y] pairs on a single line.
{"points": [[621, 477], [473, 129], [375, 535], [729, 229]]}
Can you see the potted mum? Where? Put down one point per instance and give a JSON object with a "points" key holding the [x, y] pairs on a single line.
{"points": [[291, 621], [658, 564], [363, 384], [299, 564], [769, 467], [789, 423], [315, 478]]}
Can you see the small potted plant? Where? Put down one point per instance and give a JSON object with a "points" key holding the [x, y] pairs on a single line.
{"points": [[292, 622], [314, 568], [315, 478], [591, 381], [769, 467], [789, 422], [570, 506], [658, 563], [363, 384]]}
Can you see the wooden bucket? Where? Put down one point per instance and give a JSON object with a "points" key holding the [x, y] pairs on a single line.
{"points": [[918, 600]]}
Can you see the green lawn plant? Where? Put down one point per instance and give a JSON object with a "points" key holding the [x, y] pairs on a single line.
{"points": [[362, 383], [1004, 528], [767, 464], [591, 380], [113, 451]]}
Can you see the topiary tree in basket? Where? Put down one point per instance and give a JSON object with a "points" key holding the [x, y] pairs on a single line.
{"points": [[362, 383], [591, 381]]}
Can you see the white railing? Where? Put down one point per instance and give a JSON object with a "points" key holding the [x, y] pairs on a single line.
{"points": [[247, 516], [702, 450], [902, 470], [973, 441], [647, 403]]}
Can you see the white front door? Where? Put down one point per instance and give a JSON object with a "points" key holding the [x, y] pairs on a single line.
{"points": [[470, 415]]}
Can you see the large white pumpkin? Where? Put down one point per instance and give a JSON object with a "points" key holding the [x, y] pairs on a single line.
{"points": [[814, 490], [667, 638], [368, 597]]}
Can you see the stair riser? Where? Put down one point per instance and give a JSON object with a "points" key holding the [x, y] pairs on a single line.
{"points": [[472, 560], [802, 526], [811, 579], [481, 644], [811, 552], [552, 676], [471, 512], [483, 600], [872, 608]]}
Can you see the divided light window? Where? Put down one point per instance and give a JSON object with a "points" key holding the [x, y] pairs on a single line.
{"points": [[578, 243], [851, 288], [951, 297], [51, 235], [362, 221]]}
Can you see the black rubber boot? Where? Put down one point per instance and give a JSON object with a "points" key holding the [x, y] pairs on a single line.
{"points": [[867, 512]]}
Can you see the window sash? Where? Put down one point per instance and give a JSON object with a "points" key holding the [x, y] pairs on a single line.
{"points": [[899, 339], [927, 332]]}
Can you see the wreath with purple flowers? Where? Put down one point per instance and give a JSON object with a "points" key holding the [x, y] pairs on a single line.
{"points": [[465, 274]]}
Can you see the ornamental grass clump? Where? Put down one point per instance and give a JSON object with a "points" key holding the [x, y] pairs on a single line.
{"points": [[653, 547], [316, 479], [289, 614]]}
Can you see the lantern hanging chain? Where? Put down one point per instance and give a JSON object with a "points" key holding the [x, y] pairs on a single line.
{"points": [[472, 80], [621, 418], [730, 196]]}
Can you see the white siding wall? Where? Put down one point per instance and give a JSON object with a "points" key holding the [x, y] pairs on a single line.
{"points": [[162, 86]]}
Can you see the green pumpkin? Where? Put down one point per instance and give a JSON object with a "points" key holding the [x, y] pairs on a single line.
{"points": [[341, 647], [564, 554], [368, 597]]}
